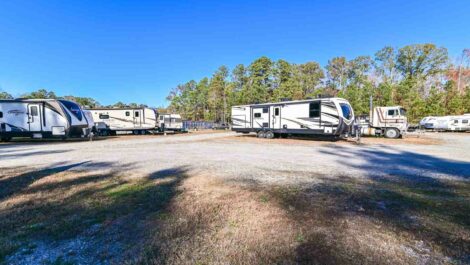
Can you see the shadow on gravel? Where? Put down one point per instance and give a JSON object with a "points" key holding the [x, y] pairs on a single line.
{"points": [[79, 216], [4, 156], [398, 193], [299, 137]]}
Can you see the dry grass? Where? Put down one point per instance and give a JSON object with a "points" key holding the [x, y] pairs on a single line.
{"points": [[175, 217], [342, 221]]}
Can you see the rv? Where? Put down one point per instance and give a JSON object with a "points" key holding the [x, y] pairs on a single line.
{"points": [[428, 123], [43, 118], [390, 122], [459, 123], [320, 117], [170, 122], [109, 121]]}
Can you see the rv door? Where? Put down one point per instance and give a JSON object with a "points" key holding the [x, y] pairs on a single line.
{"points": [[137, 118], [276, 118], [34, 118]]}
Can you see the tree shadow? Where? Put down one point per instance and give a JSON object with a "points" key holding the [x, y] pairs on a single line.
{"points": [[424, 196], [33, 153], [12, 185], [107, 212]]}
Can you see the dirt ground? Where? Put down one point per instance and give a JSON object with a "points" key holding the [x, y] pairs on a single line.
{"points": [[221, 198]]}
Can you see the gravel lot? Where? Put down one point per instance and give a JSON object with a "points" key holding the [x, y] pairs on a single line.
{"points": [[240, 157], [382, 201]]}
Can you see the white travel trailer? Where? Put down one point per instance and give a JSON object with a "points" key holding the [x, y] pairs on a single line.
{"points": [[321, 117], [136, 120], [459, 123], [428, 122], [170, 122], [42, 118], [442, 123]]}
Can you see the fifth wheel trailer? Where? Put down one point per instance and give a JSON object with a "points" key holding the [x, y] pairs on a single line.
{"points": [[43, 118], [136, 120], [319, 117]]}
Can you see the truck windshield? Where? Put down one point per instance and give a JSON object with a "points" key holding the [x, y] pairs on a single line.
{"points": [[402, 112], [74, 108], [346, 110]]}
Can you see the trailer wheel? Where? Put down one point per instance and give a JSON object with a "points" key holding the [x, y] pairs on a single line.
{"points": [[260, 134], [269, 135], [392, 133]]}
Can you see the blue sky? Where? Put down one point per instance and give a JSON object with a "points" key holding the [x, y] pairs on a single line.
{"points": [[136, 51]]}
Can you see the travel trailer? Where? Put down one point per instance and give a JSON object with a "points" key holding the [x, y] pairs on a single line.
{"points": [[459, 123], [428, 122], [320, 117], [109, 121], [390, 122], [170, 122], [43, 118]]}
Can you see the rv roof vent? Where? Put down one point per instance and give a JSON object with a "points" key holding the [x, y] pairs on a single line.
{"points": [[285, 99]]}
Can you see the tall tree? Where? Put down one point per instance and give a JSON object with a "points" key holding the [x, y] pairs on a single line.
{"points": [[422, 60], [5, 95], [337, 72], [41, 93], [385, 64], [260, 74]]}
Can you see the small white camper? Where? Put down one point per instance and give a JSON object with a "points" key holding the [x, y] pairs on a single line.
{"points": [[320, 117], [170, 122], [459, 123], [136, 120], [42, 118]]}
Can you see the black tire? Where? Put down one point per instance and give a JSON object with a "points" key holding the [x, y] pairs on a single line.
{"points": [[260, 134], [284, 135], [269, 135], [391, 133]]}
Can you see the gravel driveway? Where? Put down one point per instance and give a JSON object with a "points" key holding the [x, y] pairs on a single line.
{"points": [[259, 160]]}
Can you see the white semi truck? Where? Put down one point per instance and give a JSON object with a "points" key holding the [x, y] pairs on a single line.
{"points": [[390, 122]]}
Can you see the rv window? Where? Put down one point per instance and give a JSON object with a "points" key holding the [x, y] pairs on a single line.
{"points": [[161, 118], [346, 110], [34, 111], [128, 113], [314, 111], [137, 114], [276, 112], [456, 121], [104, 116], [265, 110], [257, 115], [464, 121], [1, 114]]}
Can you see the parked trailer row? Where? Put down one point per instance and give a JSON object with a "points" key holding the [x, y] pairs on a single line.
{"points": [[46, 118], [446, 123]]}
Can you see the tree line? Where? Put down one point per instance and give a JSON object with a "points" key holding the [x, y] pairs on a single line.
{"points": [[421, 77]]}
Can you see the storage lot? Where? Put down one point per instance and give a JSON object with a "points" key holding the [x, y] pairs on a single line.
{"points": [[222, 198]]}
